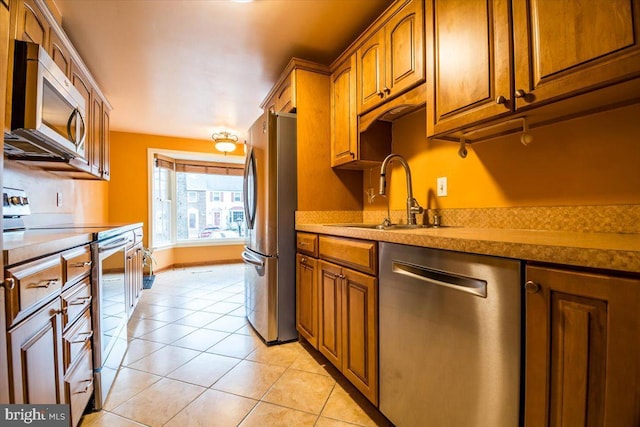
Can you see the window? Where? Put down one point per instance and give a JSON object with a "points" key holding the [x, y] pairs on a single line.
{"points": [[183, 213]]}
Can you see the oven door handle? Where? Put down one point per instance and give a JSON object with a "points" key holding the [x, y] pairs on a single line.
{"points": [[113, 245]]}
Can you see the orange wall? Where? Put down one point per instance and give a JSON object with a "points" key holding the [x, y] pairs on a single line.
{"points": [[592, 160], [128, 191]]}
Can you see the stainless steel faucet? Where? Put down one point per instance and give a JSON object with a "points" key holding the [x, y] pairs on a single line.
{"points": [[413, 207]]}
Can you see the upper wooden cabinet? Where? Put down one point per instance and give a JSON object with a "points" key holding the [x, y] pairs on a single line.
{"points": [[560, 50], [59, 53], [31, 24], [582, 353], [391, 60], [344, 128]]}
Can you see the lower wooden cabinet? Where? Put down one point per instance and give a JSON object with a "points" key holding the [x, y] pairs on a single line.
{"points": [[36, 359], [307, 298], [348, 326], [133, 276], [582, 349]]}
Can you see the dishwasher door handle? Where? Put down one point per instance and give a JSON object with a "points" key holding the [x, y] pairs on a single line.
{"points": [[469, 285]]}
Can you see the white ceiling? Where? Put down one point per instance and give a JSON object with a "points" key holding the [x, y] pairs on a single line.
{"points": [[187, 68]]}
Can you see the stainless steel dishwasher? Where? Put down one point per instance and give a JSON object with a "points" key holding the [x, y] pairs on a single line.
{"points": [[450, 328]]}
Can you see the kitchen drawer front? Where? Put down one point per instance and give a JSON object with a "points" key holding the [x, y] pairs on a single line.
{"points": [[33, 283], [78, 386], [137, 236], [75, 301], [76, 339], [307, 243], [361, 255], [76, 263]]}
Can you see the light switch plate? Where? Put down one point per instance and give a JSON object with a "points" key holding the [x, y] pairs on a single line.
{"points": [[58, 199], [441, 185]]}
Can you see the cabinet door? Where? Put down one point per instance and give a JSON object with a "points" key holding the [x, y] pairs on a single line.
{"points": [[404, 38], [81, 83], [468, 62], [582, 353], [59, 53], [307, 298], [96, 134], [370, 69], [360, 332], [35, 347], [344, 128], [330, 313], [566, 47], [105, 158], [31, 24]]}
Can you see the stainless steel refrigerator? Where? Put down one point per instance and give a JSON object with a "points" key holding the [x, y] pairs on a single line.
{"points": [[270, 201]]}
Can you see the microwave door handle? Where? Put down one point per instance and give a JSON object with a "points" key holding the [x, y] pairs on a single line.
{"points": [[69, 127], [84, 129]]}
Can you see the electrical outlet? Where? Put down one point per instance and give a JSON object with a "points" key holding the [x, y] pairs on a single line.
{"points": [[58, 199], [441, 185]]}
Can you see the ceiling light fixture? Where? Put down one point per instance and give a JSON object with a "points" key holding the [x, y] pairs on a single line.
{"points": [[225, 141]]}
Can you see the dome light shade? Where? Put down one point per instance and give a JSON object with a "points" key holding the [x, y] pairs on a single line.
{"points": [[225, 141]]}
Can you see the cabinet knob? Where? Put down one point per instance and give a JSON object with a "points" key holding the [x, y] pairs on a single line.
{"points": [[9, 283], [303, 260], [531, 287], [501, 100], [380, 94], [386, 90], [63, 310], [520, 93]]}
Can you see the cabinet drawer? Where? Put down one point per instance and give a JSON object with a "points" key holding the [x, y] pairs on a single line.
{"points": [[360, 255], [78, 386], [77, 338], [33, 282], [76, 263], [75, 301], [307, 243]]}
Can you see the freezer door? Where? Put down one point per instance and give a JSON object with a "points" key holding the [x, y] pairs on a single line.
{"points": [[261, 288]]}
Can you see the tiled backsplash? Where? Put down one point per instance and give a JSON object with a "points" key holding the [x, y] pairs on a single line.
{"points": [[607, 219]]}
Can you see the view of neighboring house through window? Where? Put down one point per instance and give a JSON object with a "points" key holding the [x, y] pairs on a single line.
{"points": [[195, 200]]}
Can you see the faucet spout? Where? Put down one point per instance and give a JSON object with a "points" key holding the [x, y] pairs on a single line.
{"points": [[412, 204]]}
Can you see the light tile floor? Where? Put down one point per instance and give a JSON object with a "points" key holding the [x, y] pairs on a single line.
{"points": [[194, 361]]}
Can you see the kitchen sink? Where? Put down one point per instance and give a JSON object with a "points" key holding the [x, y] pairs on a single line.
{"points": [[386, 227]]}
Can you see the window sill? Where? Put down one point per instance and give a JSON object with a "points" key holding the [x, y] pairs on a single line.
{"points": [[199, 243]]}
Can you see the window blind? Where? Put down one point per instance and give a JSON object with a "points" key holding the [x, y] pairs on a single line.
{"points": [[199, 166]]}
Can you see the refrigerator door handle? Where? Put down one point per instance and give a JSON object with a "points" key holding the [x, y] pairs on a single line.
{"points": [[249, 258], [250, 190]]}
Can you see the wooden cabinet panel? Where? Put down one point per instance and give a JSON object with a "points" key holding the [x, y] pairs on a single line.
{"points": [[360, 332], [330, 327], [467, 60], [81, 82], [361, 255], [59, 53], [77, 338], [78, 386], [34, 282], [344, 127], [582, 358], [105, 158], [95, 154], [307, 298], [599, 46], [31, 24], [307, 243], [35, 348], [76, 263], [391, 61], [75, 301]]}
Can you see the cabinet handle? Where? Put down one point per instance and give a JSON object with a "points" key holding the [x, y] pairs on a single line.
{"points": [[352, 154], [340, 276], [86, 388], [531, 287], [44, 283], [63, 310], [501, 100], [9, 283], [380, 94], [520, 93], [86, 336], [81, 264], [386, 90], [302, 243], [80, 301]]}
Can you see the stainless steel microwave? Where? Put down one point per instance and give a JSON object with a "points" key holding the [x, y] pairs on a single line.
{"points": [[48, 114]]}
